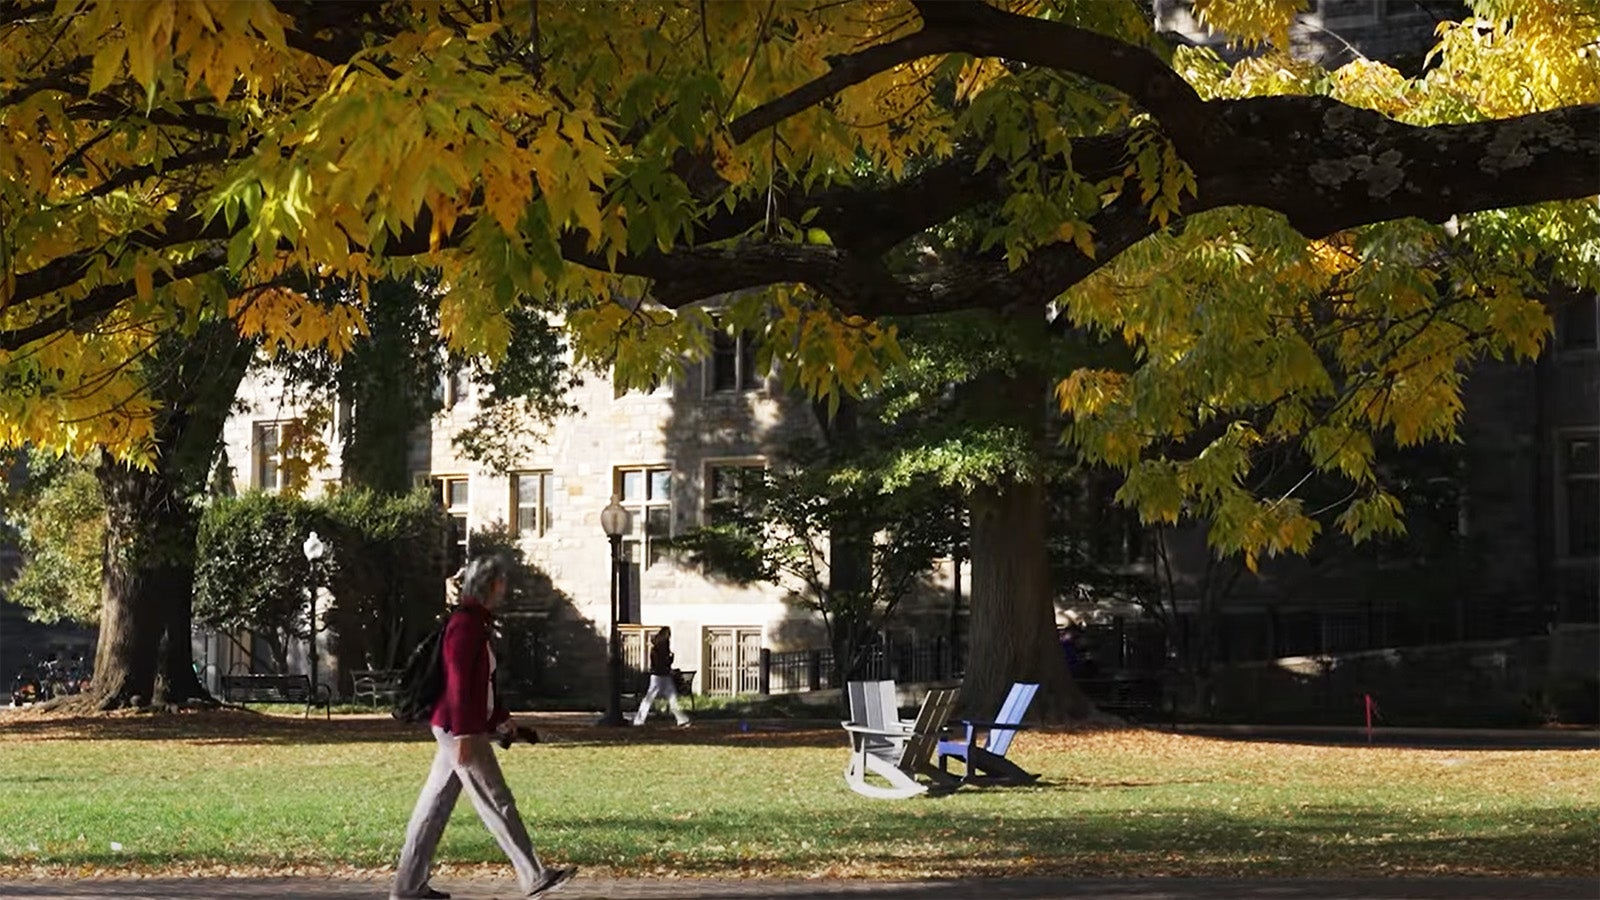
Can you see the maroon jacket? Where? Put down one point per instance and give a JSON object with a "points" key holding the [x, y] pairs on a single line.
{"points": [[469, 703]]}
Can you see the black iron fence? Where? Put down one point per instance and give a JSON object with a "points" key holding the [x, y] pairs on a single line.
{"points": [[933, 659]]}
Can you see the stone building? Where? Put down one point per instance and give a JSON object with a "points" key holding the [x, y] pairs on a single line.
{"points": [[669, 455]]}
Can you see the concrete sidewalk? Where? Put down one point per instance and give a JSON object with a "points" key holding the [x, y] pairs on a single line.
{"points": [[775, 889]]}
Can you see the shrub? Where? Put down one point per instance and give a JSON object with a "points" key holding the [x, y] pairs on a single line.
{"points": [[250, 568], [384, 569]]}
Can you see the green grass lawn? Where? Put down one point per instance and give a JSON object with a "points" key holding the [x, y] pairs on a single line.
{"points": [[245, 792]]}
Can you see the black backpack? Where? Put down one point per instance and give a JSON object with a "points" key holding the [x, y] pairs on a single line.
{"points": [[422, 680]]}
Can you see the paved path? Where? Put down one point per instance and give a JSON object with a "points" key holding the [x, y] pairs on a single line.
{"points": [[772, 889]]}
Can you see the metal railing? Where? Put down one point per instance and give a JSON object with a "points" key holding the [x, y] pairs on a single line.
{"points": [[935, 659]]}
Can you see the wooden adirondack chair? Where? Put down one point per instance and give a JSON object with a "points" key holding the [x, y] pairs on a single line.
{"points": [[873, 705], [988, 756], [899, 755]]}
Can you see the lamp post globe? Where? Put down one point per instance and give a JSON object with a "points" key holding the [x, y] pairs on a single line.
{"points": [[314, 548], [614, 521]]}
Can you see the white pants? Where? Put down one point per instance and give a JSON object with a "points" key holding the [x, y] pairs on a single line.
{"points": [[660, 685], [486, 785]]}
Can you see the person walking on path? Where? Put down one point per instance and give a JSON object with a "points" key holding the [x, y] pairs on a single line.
{"points": [[661, 680], [467, 711]]}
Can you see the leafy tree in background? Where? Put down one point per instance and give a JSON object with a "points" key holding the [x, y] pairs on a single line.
{"points": [[383, 569], [1293, 256], [58, 518], [251, 573], [779, 528]]}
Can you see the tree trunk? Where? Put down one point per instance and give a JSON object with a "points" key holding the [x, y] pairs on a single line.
{"points": [[1013, 629], [144, 656], [1012, 633]]}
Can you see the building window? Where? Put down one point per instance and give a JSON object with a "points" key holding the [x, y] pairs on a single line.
{"points": [[1580, 495], [451, 493], [725, 483], [731, 657], [451, 389], [530, 504], [272, 452], [1579, 327], [647, 493], [732, 365]]}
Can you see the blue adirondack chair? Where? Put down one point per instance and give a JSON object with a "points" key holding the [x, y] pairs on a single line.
{"points": [[983, 749]]}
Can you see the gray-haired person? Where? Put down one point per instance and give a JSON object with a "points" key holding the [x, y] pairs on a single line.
{"points": [[661, 682], [467, 711]]}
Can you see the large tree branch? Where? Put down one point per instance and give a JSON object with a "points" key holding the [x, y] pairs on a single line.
{"points": [[1323, 165], [1327, 166], [974, 27], [97, 303], [844, 72]]}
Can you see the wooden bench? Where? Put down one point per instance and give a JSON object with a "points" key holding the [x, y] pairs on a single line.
{"points": [[276, 689], [376, 685]]}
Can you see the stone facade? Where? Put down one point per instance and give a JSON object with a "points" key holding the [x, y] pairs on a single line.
{"points": [[680, 431]]}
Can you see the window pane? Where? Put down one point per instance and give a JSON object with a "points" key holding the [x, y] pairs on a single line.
{"points": [[1583, 517], [722, 483], [747, 364], [525, 492], [458, 493], [545, 488], [458, 542], [632, 486], [267, 457], [658, 521], [1578, 325], [660, 484], [1582, 457], [724, 362]]}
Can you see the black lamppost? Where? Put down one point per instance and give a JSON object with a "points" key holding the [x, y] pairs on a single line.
{"points": [[614, 521], [314, 548]]}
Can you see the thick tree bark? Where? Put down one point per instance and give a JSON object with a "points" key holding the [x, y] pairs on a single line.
{"points": [[1013, 626], [144, 656], [1012, 634]]}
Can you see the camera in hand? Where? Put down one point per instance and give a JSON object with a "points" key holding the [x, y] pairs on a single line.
{"points": [[518, 733]]}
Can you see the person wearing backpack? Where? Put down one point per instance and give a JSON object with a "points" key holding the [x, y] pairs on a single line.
{"points": [[465, 713]]}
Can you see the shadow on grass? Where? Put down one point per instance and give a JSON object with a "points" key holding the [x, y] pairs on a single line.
{"points": [[901, 841], [234, 726], [1408, 738]]}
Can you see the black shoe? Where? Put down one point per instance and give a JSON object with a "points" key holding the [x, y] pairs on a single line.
{"points": [[427, 894], [553, 878]]}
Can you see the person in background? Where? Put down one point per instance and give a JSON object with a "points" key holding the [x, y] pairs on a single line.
{"points": [[661, 682], [467, 712]]}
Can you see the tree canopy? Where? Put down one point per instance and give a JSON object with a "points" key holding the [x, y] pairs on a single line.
{"points": [[1263, 234]]}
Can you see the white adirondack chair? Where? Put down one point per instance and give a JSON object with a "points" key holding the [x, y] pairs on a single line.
{"points": [[873, 704], [898, 754]]}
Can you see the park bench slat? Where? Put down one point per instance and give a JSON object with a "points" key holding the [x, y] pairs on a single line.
{"points": [[269, 688]]}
